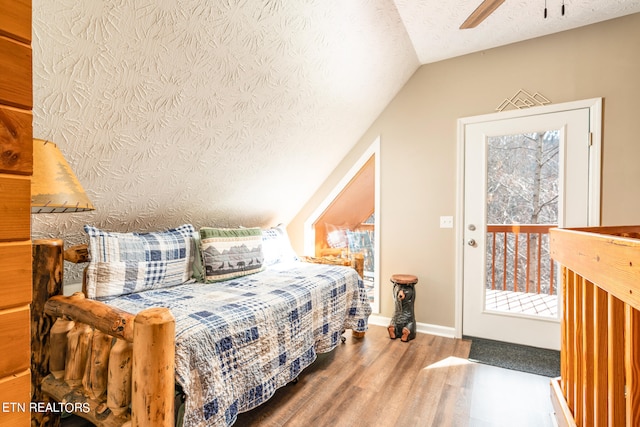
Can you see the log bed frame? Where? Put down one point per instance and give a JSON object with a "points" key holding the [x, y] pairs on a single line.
{"points": [[600, 327], [117, 368], [114, 368]]}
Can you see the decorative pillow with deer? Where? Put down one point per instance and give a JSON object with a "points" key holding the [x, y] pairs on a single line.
{"points": [[231, 252]]}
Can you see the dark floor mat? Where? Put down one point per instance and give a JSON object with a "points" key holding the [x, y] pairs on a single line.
{"points": [[534, 360]]}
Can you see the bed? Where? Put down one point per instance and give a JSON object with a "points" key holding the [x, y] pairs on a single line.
{"points": [[600, 328], [234, 341]]}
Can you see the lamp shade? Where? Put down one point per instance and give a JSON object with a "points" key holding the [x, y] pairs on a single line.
{"points": [[54, 186]]}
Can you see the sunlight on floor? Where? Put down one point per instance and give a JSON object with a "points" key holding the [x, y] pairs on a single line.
{"points": [[501, 397], [448, 362]]}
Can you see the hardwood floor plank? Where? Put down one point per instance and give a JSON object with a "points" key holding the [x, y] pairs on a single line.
{"points": [[403, 400], [426, 382], [429, 383]]}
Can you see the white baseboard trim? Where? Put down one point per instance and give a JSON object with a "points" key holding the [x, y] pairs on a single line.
{"points": [[424, 328]]}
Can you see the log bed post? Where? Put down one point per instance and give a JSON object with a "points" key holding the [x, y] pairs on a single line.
{"points": [[153, 372], [47, 259], [141, 363]]}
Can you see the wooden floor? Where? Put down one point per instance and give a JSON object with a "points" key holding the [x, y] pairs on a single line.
{"points": [[426, 382], [376, 381]]}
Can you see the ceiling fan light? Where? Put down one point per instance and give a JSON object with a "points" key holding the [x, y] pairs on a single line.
{"points": [[486, 8]]}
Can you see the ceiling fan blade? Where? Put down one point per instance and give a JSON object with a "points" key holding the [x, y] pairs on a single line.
{"points": [[485, 9]]}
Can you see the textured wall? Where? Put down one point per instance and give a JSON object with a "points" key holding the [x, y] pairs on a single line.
{"points": [[210, 112]]}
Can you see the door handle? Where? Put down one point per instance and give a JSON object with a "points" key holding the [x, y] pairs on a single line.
{"points": [[471, 242]]}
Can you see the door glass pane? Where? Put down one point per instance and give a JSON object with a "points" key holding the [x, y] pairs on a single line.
{"points": [[522, 204]]}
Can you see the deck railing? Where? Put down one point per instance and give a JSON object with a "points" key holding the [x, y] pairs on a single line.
{"points": [[518, 258]]}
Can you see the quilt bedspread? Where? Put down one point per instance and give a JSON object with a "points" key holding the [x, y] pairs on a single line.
{"points": [[238, 341]]}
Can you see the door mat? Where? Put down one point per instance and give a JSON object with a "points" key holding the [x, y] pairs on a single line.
{"points": [[539, 361]]}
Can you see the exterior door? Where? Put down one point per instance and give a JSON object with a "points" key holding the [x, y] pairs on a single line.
{"points": [[522, 175]]}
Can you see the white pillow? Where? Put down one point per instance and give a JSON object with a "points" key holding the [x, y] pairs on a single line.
{"points": [[276, 246]]}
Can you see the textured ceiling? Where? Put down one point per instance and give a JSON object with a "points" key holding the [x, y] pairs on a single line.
{"points": [[233, 112], [433, 25]]}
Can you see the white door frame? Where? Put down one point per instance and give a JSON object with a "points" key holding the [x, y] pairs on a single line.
{"points": [[595, 155]]}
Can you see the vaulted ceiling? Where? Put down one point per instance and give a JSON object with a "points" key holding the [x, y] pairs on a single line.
{"points": [[233, 112], [433, 25]]}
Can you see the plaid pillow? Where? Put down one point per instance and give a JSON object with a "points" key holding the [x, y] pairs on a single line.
{"points": [[231, 252], [124, 263]]}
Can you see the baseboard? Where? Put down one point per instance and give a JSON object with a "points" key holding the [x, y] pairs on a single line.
{"points": [[424, 328]]}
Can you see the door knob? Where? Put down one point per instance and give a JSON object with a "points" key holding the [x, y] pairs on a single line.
{"points": [[471, 242]]}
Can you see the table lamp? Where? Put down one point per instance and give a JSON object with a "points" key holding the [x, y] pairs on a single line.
{"points": [[54, 189], [54, 186]]}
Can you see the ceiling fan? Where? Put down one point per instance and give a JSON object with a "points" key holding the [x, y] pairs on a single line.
{"points": [[486, 8]]}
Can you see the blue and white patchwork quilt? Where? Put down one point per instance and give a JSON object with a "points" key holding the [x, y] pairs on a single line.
{"points": [[239, 340]]}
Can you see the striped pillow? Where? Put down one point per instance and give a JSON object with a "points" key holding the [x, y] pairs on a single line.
{"points": [[124, 263], [231, 252]]}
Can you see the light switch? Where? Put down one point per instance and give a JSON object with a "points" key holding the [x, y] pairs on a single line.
{"points": [[446, 222]]}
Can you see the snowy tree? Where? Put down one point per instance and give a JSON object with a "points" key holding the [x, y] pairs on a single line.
{"points": [[522, 188]]}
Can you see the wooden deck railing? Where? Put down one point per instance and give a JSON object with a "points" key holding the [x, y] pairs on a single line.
{"points": [[600, 338], [519, 258]]}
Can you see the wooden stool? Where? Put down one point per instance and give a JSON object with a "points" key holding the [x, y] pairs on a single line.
{"points": [[403, 322]]}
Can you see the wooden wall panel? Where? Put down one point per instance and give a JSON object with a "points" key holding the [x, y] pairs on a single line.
{"points": [[15, 274], [16, 164], [15, 208], [16, 141], [12, 389], [16, 82], [15, 19], [15, 345]]}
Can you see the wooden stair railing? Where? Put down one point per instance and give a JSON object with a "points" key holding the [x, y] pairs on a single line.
{"points": [[600, 328]]}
